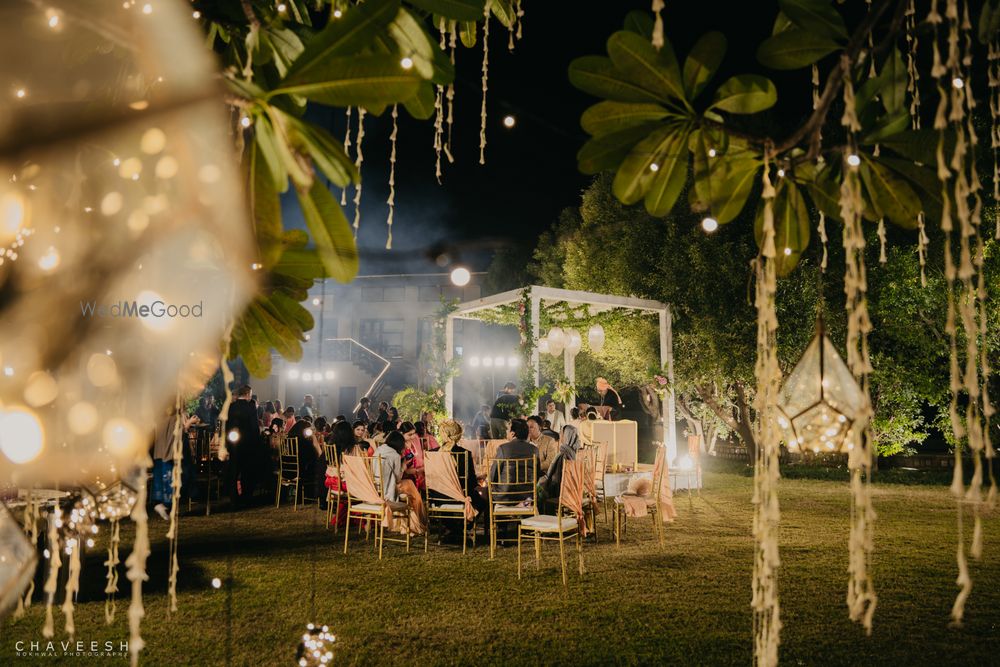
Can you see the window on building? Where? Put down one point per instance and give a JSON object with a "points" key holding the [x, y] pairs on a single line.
{"points": [[394, 294], [371, 294], [430, 293], [383, 336]]}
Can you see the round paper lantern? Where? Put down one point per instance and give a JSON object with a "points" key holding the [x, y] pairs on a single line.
{"points": [[595, 338], [557, 340], [573, 341], [543, 345], [133, 250]]}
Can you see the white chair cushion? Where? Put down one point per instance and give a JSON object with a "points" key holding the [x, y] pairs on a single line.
{"points": [[548, 523], [452, 507], [511, 509], [366, 507]]}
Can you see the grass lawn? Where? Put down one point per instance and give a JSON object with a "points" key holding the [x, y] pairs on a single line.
{"points": [[688, 604]]}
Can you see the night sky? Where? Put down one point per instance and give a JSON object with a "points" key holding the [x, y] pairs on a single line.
{"points": [[530, 172]]}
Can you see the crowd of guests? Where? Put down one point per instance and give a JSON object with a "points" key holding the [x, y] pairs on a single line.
{"points": [[253, 430]]}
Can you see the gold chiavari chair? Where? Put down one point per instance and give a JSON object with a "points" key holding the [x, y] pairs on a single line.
{"points": [[598, 452], [515, 481], [288, 470], [333, 495], [590, 496], [373, 512], [562, 526], [652, 503], [439, 507]]}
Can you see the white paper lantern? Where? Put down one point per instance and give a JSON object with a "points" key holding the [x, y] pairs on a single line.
{"points": [[557, 340], [573, 341], [595, 338], [543, 345]]}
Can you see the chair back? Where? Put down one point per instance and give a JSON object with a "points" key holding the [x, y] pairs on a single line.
{"points": [[571, 489], [360, 479], [490, 452], [288, 455], [330, 454], [659, 466], [434, 481], [515, 481], [598, 454]]}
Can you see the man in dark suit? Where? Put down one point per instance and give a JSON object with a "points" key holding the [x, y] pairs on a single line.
{"points": [[247, 453], [517, 448]]}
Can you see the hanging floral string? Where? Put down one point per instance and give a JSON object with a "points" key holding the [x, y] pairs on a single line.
{"points": [[821, 227], [74, 546], [357, 163], [347, 151], [111, 588], [392, 175], [519, 13], [994, 94], [912, 74], [31, 530], [175, 482], [658, 24], [136, 562], [438, 114], [767, 615], [55, 563], [450, 92], [861, 597], [486, 67]]}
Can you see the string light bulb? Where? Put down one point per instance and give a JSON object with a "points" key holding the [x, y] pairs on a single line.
{"points": [[282, 8], [20, 93], [654, 167], [958, 83], [245, 121], [460, 276], [853, 160], [406, 62], [788, 251], [709, 224], [337, 13], [509, 121]]}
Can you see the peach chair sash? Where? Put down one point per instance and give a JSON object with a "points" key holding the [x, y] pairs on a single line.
{"points": [[590, 472], [441, 476], [359, 482], [664, 495], [571, 489]]}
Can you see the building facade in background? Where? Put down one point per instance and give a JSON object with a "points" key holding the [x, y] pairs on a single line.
{"points": [[368, 340]]}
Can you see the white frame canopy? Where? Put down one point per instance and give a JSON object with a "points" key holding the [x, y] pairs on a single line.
{"points": [[538, 296]]}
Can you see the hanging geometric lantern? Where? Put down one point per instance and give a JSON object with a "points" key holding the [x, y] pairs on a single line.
{"points": [[557, 341], [820, 401], [116, 501], [117, 155], [314, 649], [595, 338], [573, 342], [543, 345], [17, 560]]}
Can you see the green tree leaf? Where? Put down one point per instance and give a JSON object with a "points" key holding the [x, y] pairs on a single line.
{"points": [[607, 117], [640, 22], [703, 61], [745, 93], [890, 194], [636, 173], [791, 226], [267, 143], [251, 345], [598, 76], [608, 150], [330, 232], [504, 11], [824, 190], [326, 152], [265, 206], [925, 183], [364, 81], [456, 10], [467, 33], [344, 37], [793, 49], [723, 183], [670, 177], [894, 80], [649, 69], [421, 105], [815, 16]]}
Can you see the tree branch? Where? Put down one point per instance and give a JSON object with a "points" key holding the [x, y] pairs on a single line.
{"points": [[722, 414]]}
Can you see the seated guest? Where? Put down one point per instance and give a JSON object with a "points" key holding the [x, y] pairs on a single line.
{"points": [[413, 454], [451, 435], [575, 420], [547, 446], [362, 444], [289, 416], [394, 483], [517, 447], [556, 418], [550, 482], [312, 462], [427, 441], [548, 430], [383, 412], [394, 417], [269, 413]]}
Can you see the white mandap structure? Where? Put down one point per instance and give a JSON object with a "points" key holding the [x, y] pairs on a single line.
{"points": [[542, 297]]}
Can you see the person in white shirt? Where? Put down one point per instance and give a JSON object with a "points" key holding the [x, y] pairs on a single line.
{"points": [[556, 418]]}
